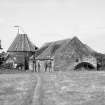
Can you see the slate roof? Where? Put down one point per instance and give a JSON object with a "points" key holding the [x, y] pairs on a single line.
{"points": [[42, 49], [22, 44], [66, 46], [52, 49]]}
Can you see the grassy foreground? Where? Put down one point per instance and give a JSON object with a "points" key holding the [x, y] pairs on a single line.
{"points": [[16, 89], [61, 88], [74, 88]]}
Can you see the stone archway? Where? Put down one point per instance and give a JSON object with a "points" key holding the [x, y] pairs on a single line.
{"points": [[84, 65]]}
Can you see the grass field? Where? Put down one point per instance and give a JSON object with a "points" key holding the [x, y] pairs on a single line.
{"points": [[74, 88], [61, 88], [16, 89]]}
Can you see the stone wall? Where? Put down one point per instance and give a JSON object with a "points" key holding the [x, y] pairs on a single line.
{"points": [[67, 63]]}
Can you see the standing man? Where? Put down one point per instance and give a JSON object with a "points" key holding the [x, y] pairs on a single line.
{"points": [[38, 66]]}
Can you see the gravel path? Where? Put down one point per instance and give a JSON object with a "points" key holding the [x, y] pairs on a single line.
{"points": [[37, 97]]}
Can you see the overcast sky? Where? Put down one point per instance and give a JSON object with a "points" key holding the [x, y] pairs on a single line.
{"points": [[50, 20]]}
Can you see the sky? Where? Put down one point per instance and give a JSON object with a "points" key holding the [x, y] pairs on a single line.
{"points": [[51, 20]]}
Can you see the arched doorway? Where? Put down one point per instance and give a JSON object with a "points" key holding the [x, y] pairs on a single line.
{"points": [[84, 65]]}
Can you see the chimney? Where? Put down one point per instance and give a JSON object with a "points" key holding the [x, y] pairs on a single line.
{"points": [[0, 45]]}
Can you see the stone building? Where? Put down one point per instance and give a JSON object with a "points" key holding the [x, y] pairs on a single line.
{"points": [[69, 54], [22, 49]]}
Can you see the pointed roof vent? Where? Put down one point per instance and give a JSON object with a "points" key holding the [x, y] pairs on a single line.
{"points": [[22, 44]]}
